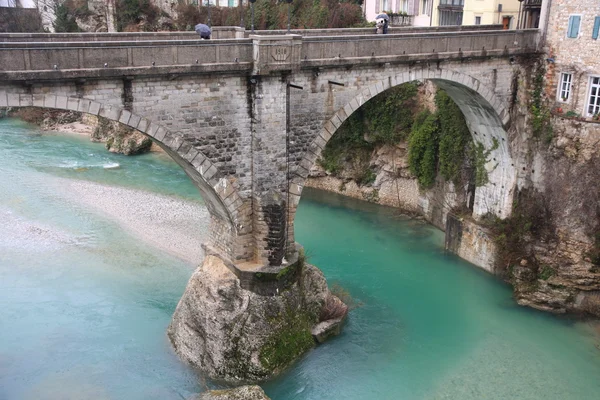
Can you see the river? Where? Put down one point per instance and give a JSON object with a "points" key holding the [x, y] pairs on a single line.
{"points": [[96, 249]]}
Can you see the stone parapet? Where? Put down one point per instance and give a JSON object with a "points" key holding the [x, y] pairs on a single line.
{"points": [[276, 53]]}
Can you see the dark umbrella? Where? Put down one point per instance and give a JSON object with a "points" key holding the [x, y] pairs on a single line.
{"points": [[203, 30], [384, 16]]}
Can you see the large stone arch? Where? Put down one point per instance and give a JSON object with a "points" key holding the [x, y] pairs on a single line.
{"points": [[228, 223], [487, 119]]}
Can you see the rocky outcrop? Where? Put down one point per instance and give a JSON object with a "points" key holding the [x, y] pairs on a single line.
{"points": [[237, 336], [564, 275], [394, 185], [119, 138], [240, 393]]}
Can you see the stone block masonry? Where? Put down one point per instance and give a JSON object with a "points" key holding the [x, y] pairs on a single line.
{"points": [[249, 122]]}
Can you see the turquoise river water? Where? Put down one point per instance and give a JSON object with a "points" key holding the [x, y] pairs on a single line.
{"points": [[84, 304]]}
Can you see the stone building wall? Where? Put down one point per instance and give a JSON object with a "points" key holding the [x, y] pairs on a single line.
{"points": [[578, 56]]}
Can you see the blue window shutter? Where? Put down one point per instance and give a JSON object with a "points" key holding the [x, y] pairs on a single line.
{"points": [[574, 21], [596, 28]]}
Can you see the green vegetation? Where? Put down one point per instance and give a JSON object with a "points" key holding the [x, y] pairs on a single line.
{"points": [[272, 14], [67, 12], [65, 19], [545, 272], [438, 143], [479, 156], [389, 116], [454, 137], [441, 143], [572, 114], [540, 122], [385, 119], [291, 339], [131, 12], [423, 148]]}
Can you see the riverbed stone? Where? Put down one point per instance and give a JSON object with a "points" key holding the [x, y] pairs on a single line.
{"points": [[237, 336], [250, 392], [324, 330]]}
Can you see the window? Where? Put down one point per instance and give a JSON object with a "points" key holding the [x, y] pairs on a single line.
{"points": [[404, 6], [573, 29], [424, 6], [596, 28], [384, 5], [593, 106], [564, 87], [449, 17], [477, 20]]}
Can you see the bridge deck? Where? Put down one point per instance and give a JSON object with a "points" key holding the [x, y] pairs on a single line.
{"points": [[99, 59]]}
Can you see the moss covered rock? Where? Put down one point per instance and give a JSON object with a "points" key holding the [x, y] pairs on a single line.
{"points": [[237, 336]]}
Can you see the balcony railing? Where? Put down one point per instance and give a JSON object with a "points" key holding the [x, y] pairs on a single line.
{"points": [[533, 3], [451, 3]]}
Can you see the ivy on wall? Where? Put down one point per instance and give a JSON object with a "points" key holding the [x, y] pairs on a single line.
{"points": [[385, 119], [454, 137], [438, 143], [540, 122], [423, 146]]}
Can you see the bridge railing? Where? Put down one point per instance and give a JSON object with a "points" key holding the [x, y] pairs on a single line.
{"points": [[259, 54], [218, 32], [204, 54], [327, 50], [371, 31], [225, 32]]}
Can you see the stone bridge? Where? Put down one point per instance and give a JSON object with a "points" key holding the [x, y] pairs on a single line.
{"points": [[247, 116]]}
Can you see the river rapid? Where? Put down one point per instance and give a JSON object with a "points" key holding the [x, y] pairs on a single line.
{"points": [[96, 250]]}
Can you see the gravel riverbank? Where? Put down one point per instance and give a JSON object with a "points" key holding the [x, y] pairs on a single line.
{"points": [[173, 225]]}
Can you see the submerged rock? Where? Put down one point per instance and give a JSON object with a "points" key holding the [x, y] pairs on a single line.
{"points": [[240, 393], [235, 335]]}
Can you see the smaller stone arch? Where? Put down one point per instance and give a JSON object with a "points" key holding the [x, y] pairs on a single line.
{"points": [[487, 118], [229, 222]]}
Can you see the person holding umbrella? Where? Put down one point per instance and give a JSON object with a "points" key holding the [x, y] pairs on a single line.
{"points": [[382, 21], [203, 30]]}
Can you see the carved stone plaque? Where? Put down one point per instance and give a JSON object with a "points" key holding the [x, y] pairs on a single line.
{"points": [[280, 53]]}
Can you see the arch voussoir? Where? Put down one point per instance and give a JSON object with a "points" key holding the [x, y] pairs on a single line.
{"points": [[134, 121]]}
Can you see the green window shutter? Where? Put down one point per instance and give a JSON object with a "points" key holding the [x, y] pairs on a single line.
{"points": [[573, 30], [596, 28]]}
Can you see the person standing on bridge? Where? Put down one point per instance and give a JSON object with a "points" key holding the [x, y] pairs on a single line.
{"points": [[203, 30], [382, 22]]}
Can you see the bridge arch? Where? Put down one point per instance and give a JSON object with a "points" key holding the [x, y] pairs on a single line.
{"points": [[228, 223], [487, 119]]}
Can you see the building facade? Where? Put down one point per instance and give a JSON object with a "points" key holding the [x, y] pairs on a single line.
{"points": [[459, 12], [476, 12], [373, 7], [573, 63]]}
